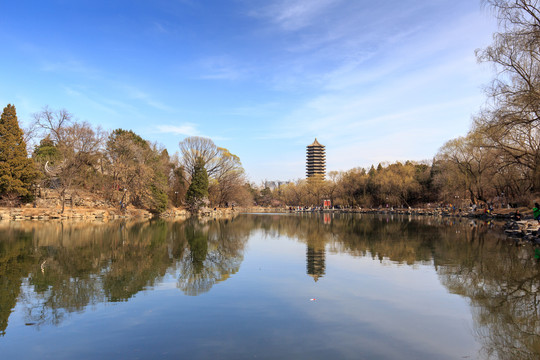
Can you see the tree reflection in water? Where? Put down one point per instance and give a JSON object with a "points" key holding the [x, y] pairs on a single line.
{"points": [[502, 281], [53, 270], [215, 252], [56, 269]]}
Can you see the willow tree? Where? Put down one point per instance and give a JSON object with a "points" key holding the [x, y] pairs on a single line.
{"points": [[466, 166], [17, 171], [512, 118], [196, 150], [224, 170], [227, 185]]}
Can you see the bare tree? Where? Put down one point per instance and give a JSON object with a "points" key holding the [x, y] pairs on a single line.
{"points": [[217, 160], [224, 169], [512, 118], [80, 147], [54, 122], [466, 166], [194, 148], [30, 136]]}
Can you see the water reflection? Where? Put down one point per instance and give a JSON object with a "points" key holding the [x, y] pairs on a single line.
{"points": [[215, 252], [316, 258], [56, 269], [501, 280], [53, 270]]}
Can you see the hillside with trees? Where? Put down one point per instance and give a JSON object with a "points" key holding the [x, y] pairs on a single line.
{"points": [[118, 168]]}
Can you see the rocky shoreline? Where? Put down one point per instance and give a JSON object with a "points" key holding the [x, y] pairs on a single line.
{"points": [[525, 230], [29, 213], [91, 214], [99, 213]]}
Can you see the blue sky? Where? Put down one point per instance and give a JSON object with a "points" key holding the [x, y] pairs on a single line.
{"points": [[373, 81]]}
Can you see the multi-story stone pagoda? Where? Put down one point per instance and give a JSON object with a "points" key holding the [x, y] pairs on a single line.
{"points": [[316, 161]]}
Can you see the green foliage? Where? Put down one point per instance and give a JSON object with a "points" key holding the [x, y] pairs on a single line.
{"points": [[45, 152], [160, 199], [160, 163], [198, 246], [129, 134], [17, 171], [140, 168], [178, 188], [197, 192], [15, 262]]}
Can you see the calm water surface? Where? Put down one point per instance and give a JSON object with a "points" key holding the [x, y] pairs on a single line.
{"points": [[267, 287]]}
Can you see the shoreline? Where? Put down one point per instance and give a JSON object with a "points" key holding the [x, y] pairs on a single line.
{"points": [[30, 213], [72, 214], [99, 213]]}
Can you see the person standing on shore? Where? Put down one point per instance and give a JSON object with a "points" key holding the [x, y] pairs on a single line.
{"points": [[536, 212]]}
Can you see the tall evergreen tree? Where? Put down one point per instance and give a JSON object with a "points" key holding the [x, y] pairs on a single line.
{"points": [[17, 171], [197, 193]]}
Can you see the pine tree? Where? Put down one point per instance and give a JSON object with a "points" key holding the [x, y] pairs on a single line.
{"points": [[17, 171], [197, 193]]}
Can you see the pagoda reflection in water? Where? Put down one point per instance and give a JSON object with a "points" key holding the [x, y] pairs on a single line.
{"points": [[316, 258]]}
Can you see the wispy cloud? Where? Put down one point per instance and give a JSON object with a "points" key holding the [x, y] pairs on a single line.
{"points": [[338, 38], [54, 60], [294, 14], [416, 74], [221, 68], [258, 110], [186, 129], [89, 99], [160, 28], [137, 94], [115, 105], [73, 66], [67, 63]]}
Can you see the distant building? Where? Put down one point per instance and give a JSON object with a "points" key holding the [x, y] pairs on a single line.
{"points": [[316, 160], [275, 184]]}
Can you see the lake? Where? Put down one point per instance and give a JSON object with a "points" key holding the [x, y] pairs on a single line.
{"points": [[272, 286]]}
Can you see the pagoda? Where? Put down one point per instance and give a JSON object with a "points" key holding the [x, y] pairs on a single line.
{"points": [[316, 161]]}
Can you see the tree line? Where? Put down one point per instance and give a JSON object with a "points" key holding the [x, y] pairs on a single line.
{"points": [[118, 166]]}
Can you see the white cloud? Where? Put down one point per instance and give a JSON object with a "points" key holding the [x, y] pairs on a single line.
{"points": [[422, 74], [186, 129], [295, 14]]}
